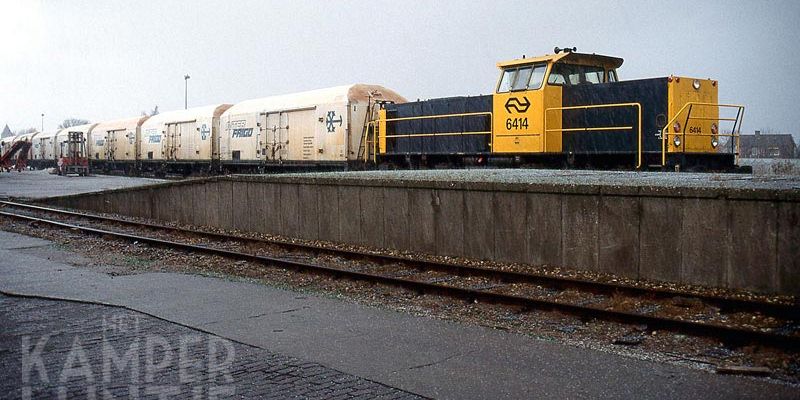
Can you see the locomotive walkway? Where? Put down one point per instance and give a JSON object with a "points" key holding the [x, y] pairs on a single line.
{"points": [[353, 342]]}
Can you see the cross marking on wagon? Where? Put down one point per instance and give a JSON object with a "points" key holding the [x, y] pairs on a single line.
{"points": [[329, 121]]}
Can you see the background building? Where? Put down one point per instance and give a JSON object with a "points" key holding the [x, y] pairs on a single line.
{"points": [[771, 145]]}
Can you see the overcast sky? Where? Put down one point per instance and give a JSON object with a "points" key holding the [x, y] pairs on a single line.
{"points": [[112, 59]]}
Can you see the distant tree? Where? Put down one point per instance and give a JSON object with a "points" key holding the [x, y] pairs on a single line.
{"points": [[72, 122], [154, 111], [24, 131]]}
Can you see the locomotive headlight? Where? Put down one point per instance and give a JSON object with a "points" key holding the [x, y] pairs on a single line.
{"points": [[714, 138], [696, 84], [677, 141], [676, 127]]}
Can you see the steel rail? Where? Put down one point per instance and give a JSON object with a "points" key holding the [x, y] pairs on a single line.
{"points": [[730, 335], [728, 304]]}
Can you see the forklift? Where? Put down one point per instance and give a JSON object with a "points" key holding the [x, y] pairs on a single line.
{"points": [[73, 158]]}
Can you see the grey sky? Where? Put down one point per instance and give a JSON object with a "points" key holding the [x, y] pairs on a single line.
{"points": [[112, 59]]}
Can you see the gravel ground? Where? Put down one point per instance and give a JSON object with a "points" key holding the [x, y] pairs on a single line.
{"points": [[773, 166], [115, 257], [578, 177]]}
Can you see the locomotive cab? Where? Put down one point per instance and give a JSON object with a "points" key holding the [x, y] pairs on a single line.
{"points": [[529, 92]]}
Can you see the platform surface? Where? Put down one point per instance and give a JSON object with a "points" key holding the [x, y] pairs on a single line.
{"points": [[666, 180], [40, 184], [425, 356]]}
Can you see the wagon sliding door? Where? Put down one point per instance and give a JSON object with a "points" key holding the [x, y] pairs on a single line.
{"points": [[187, 145], [275, 136], [171, 138], [111, 144], [300, 133]]}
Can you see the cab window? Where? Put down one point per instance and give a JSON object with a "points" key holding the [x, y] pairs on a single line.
{"points": [[612, 75], [594, 76], [537, 76], [569, 74], [521, 79], [505, 81], [526, 77]]}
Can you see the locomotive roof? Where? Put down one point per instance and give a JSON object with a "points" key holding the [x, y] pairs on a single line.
{"points": [[191, 114], [338, 94], [570, 57]]}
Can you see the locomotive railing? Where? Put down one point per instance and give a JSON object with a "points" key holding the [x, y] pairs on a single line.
{"points": [[373, 144], [734, 135], [375, 136], [638, 126]]}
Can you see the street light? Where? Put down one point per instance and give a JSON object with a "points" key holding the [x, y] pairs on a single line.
{"points": [[42, 122], [186, 92]]}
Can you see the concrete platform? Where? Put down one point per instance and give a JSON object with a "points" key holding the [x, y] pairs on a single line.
{"points": [[425, 356], [40, 184]]}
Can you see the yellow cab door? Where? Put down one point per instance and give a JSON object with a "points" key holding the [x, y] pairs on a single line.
{"points": [[517, 122]]}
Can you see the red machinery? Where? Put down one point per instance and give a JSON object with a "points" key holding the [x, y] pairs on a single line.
{"points": [[21, 149], [73, 158]]}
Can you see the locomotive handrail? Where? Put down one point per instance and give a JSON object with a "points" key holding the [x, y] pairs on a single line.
{"points": [[423, 117], [489, 113], [734, 132], [440, 134], [638, 107]]}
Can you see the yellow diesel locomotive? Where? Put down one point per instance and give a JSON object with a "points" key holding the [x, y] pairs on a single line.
{"points": [[566, 109]]}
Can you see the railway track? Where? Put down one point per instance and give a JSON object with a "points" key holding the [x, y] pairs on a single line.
{"points": [[582, 298]]}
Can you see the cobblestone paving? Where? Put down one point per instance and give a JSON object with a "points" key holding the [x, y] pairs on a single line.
{"points": [[60, 349]]}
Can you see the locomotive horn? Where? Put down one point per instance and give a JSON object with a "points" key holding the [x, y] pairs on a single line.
{"points": [[566, 50]]}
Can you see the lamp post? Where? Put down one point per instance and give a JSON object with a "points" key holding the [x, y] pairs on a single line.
{"points": [[186, 92], [42, 122]]}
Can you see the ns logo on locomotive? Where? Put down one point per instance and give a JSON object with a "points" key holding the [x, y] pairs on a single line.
{"points": [[566, 109]]}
